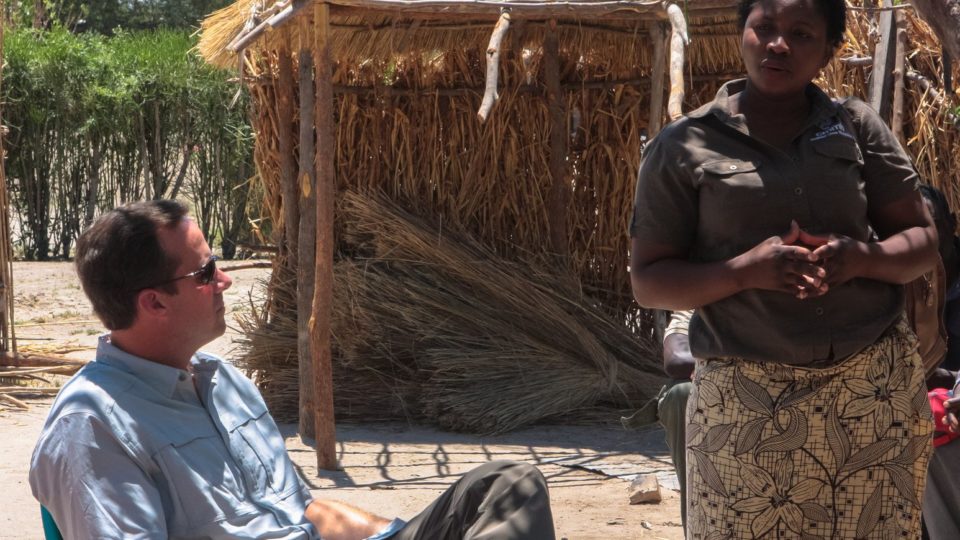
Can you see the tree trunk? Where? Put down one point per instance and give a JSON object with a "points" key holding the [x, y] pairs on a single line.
{"points": [[943, 16]]}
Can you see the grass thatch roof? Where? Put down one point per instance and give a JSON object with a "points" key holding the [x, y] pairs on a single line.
{"points": [[378, 28]]}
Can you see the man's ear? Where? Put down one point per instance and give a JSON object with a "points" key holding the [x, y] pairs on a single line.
{"points": [[151, 303]]}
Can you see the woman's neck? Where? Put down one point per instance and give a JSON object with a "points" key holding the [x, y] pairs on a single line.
{"points": [[753, 104], [775, 121]]}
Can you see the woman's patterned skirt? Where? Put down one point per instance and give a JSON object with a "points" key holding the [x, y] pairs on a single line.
{"points": [[786, 452]]}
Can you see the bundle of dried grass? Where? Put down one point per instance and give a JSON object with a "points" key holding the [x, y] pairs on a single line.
{"points": [[436, 327]]}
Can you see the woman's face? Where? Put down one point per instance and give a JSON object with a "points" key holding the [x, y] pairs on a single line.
{"points": [[784, 46]]}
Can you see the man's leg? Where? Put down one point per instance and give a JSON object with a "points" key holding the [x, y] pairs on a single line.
{"points": [[500, 500], [672, 411]]}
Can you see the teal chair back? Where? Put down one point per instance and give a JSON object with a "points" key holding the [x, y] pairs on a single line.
{"points": [[50, 530]]}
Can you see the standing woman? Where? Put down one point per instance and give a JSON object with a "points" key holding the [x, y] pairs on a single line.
{"points": [[790, 222]]}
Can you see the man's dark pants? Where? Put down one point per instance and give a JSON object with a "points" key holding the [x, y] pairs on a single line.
{"points": [[500, 500]]}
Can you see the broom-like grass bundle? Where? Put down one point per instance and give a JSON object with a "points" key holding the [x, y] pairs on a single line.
{"points": [[492, 344], [431, 326]]}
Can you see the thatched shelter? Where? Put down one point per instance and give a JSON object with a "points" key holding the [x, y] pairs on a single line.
{"points": [[512, 126]]}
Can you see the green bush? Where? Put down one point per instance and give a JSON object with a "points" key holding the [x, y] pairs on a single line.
{"points": [[96, 121]]}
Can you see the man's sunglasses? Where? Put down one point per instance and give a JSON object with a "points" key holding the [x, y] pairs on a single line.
{"points": [[204, 275]]}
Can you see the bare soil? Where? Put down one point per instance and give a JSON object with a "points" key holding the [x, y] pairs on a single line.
{"points": [[393, 469]]}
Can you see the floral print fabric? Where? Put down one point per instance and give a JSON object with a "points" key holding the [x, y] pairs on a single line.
{"points": [[786, 452]]}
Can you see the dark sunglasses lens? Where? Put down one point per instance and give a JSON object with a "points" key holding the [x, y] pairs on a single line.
{"points": [[207, 272]]}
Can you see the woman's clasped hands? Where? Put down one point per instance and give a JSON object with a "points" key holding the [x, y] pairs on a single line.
{"points": [[800, 263]]}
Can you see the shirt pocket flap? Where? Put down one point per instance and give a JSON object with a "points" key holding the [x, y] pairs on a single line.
{"points": [[727, 167], [840, 148]]}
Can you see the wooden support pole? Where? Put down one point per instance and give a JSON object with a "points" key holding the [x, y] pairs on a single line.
{"points": [[493, 66], [881, 78], [288, 163], [678, 41], [896, 116], [307, 237], [658, 37], [323, 281], [559, 198]]}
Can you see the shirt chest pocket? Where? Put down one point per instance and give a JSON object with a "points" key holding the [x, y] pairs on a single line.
{"points": [[203, 484], [838, 171], [260, 451], [732, 183]]}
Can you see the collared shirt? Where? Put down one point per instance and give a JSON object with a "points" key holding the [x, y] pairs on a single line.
{"points": [[136, 449], [712, 190]]}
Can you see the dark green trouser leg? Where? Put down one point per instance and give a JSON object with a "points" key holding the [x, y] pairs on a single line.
{"points": [[500, 500], [672, 411]]}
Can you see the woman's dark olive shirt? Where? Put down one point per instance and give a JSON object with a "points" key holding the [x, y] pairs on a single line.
{"points": [[707, 187]]}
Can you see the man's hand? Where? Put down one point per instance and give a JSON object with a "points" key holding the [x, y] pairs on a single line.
{"points": [[780, 263], [952, 406]]}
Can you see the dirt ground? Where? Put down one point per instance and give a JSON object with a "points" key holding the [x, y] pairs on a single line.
{"points": [[393, 469]]}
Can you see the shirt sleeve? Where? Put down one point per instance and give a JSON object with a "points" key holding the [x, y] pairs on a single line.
{"points": [[888, 171], [91, 485], [679, 323], [665, 207]]}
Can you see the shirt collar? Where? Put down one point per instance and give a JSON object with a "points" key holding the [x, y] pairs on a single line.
{"points": [[162, 378], [821, 105]]}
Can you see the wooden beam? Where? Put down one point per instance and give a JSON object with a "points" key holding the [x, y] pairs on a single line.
{"points": [[678, 41], [658, 37], [574, 9], [307, 237], [323, 281], [880, 91], [558, 202]]}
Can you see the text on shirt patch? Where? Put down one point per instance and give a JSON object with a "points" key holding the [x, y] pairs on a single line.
{"points": [[831, 129]]}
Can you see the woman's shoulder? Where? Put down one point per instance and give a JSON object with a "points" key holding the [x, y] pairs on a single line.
{"points": [[861, 112]]}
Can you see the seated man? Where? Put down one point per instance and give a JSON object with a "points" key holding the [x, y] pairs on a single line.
{"points": [[672, 406], [156, 440], [678, 363]]}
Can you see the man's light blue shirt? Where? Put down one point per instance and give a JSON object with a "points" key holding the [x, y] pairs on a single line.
{"points": [[136, 449]]}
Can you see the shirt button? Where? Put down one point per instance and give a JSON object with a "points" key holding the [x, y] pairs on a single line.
{"points": [[183, 376], [798, 191], [733, 167], [819, 311]]}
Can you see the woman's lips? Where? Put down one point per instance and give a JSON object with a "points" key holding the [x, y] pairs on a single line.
{"points": [[773, 65]]}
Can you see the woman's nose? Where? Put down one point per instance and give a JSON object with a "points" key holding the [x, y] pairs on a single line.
{"points": [[777, 44]]}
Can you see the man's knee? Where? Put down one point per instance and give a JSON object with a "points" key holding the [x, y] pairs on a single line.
{"points": [[511, 469]]}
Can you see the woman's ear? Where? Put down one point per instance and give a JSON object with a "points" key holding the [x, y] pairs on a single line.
{"points": [[827, 57]]}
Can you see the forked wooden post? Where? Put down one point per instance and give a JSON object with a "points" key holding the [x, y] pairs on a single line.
{"points": [[323, 280], [881, 77], [288, 164], [307, 239], [899, 62], [658, 35]]}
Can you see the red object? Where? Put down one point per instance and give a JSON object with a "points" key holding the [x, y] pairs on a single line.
{"points": [[941, 434]]}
